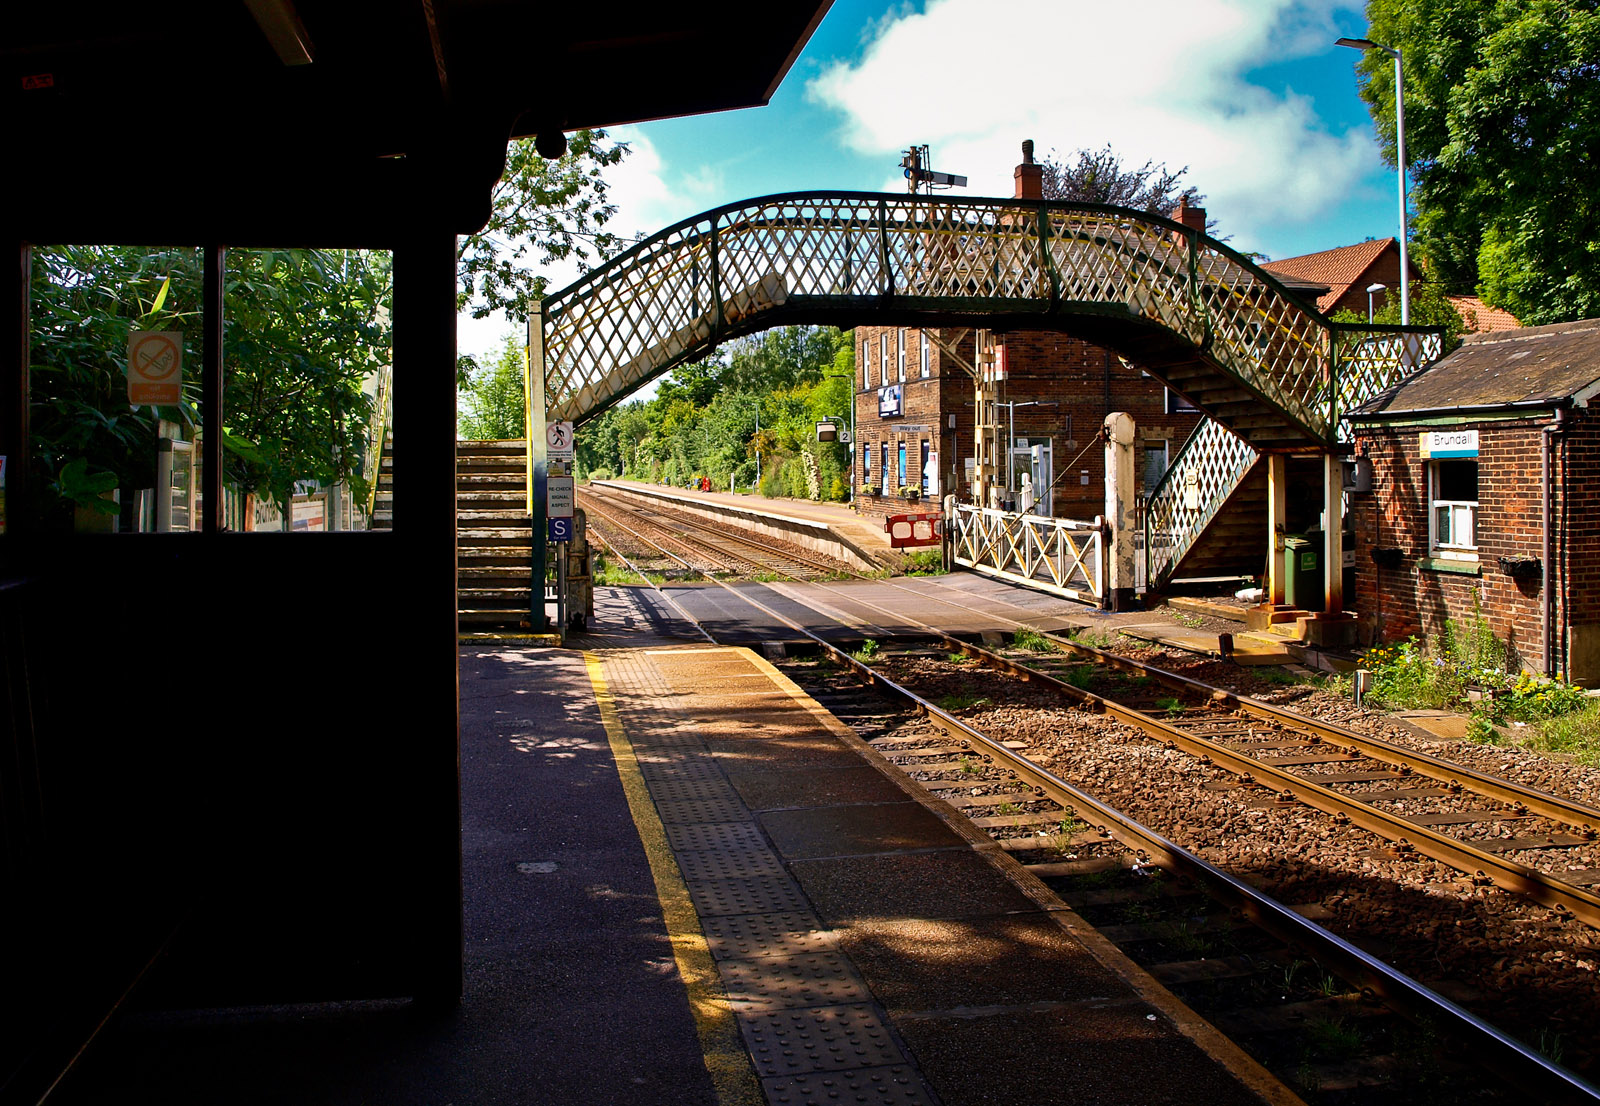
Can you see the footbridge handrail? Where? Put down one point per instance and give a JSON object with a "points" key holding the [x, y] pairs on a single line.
{"points": [[849, 258]]}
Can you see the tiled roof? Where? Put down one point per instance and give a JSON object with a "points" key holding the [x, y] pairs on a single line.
{"points": [[1337, 269], [1480, 317]]}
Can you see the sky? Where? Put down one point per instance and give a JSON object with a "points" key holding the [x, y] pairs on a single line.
{"points": [[1251, 96]]}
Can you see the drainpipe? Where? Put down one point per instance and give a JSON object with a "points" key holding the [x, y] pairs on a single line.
{"points": [[1551, 432]]}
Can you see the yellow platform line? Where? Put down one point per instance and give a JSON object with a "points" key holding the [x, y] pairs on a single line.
{"points": [[732, 1075]]}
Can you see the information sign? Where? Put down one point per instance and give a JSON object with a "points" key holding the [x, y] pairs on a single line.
{"points": [[560, 530], [558, 497], [155, 367], [559, 441]]}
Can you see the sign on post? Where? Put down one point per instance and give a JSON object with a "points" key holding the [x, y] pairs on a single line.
{"points": [[560, 529], [560, 442], [155, 367], [558, 497]]}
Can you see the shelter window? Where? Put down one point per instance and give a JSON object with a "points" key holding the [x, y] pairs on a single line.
{"points": [[900, 357], [1453, 508], [927, 364]]}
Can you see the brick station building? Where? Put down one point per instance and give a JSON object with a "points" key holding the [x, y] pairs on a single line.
{"points": [[1485, 497], [914, 411]]}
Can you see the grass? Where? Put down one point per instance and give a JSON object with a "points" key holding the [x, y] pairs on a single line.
{"points": [[1170, 705], [1095, 639], [1033, 641], [1276, 674], [961, 701], [1192, 621], [610, 575], [1082, 677], [1333, 1038], [868, 650], [959, 658], [1006, 808], [925, 562], [1576, 735]]}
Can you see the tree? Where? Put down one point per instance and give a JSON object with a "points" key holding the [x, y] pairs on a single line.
{"points": [[543, 212], [493, 406], [1098, 177], [1502, 132]]}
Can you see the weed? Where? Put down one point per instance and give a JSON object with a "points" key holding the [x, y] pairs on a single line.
{"points": [[1082, 677], [1576, 734], [1033, 641], [958, 658], [868, 650], [1192, 621], [1006, 808], [1193, 943], [1289, 973], [961, 701], [1333, 1038], [1140, 682], [1070, 826], [1552, 1046], [1169, 704], [1480, 728], [925, 562], [968, 766], [1307, 1077], [1328, 985], [610, 575], [1094, 639], [1275, 674]]}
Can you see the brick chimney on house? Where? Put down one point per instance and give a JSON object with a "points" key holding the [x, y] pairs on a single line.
{"points": [[1029, 177], [1192, 217]]}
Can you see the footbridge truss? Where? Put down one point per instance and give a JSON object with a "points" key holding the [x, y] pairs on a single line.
{"points": [[1271, 372]]}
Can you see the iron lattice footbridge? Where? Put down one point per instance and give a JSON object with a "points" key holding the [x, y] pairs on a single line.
{"points": [[1271, 372]]}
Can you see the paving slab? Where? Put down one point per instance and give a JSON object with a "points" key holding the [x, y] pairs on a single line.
{"points": [[1248, 649]]}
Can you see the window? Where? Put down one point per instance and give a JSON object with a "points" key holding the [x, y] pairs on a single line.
{"points": [[1155, 464], [902, 472], [927, 363], [883, 358], [925, 458], [901, 357], [866, 463], [866, 363], [886, 470], [1177, 404], [1453, 508]]}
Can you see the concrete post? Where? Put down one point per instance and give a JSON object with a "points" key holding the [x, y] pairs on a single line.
{"points": [[1277, 512], [1121, 493]]}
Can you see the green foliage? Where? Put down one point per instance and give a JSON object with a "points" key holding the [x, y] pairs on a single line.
{"points": [[962, 700], [543, 212], [925, 562], [1033, 641], [1094, 639], [1576, 735], [85, 489], [1082, 676], [868, 650], [1429, 307], [492, 402], [306, 330], [1502, 127]]}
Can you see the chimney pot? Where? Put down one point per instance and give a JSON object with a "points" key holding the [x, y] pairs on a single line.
{"points": [[1027, 151], [1028, 177]]}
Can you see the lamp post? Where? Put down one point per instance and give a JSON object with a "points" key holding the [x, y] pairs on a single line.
{"points": [[1371, 288], [1400, 157]]}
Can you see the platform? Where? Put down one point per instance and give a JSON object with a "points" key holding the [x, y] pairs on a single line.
{"points": [[686, 883]]}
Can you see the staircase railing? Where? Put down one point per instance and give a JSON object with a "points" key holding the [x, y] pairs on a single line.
{"points": [[377, 435], [1366, 360]]}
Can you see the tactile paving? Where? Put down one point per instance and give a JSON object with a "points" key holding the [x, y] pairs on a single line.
{"points": [[733, 863], [674, 790], [740, 936], [895, 1086], [714, 835], [679, 766], [760, 895], [776, 982], [702, 810], [817, 1038]]}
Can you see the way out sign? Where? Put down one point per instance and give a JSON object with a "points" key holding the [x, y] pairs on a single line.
{"points": [[155, 367]]}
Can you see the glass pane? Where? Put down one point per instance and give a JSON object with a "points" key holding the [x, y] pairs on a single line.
{"points": [[1458, 481], [99, 433], [307, 389], [1441, 525]]}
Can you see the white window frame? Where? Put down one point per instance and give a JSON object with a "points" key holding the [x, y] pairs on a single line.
{"points": [[866, 363], [883, 359], [900, 355], [927, 361], [1459, 514]]}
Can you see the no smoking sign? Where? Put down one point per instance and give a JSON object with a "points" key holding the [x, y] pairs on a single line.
{"points": [[155, 366]]}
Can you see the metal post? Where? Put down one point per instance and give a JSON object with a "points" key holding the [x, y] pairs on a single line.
{"points": [[211, 418], [1400, 156], [1119, 587], [14, 374], [539, 466]]}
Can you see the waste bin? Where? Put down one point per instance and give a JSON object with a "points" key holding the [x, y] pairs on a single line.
{"points": [[1302, 555]]}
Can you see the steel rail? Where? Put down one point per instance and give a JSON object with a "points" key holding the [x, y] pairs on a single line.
{"points": [[1497, 1051], [703, 546]]}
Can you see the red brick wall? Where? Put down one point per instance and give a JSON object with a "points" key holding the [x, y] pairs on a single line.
{"points": [[1409, 599], [1085, 382]]}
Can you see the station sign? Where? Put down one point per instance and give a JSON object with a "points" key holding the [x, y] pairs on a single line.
{"points": [[558, 497], [1449, 443], [560, 442]]}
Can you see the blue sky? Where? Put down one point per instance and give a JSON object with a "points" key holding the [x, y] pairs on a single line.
{"points": [[1251, 95]]}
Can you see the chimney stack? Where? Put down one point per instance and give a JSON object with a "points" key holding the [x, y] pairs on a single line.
{"points": [[1192, 217], [1029, 178]]}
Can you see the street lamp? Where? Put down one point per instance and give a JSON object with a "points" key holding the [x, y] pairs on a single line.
{"points": [[1400, 157], [1371, 288]]}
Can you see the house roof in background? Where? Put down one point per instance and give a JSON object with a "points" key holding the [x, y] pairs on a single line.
{"points": [[1336, 269], [1479, 317], [1535, 366]]}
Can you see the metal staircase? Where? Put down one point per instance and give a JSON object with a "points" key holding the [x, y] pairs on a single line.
{"points": [[494, 535], [1272, 372]]}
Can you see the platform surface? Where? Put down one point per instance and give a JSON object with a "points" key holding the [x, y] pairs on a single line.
{"points": [[686, 883]]}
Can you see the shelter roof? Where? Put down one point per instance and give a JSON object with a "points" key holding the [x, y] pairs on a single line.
{"points": [[1531, 367]]}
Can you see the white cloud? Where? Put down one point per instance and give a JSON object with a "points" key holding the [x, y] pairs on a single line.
{"points": [[1159, 80]]}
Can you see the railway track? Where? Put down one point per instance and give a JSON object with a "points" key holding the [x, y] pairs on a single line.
{"points": [[708, 549], [1070, 835]]}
